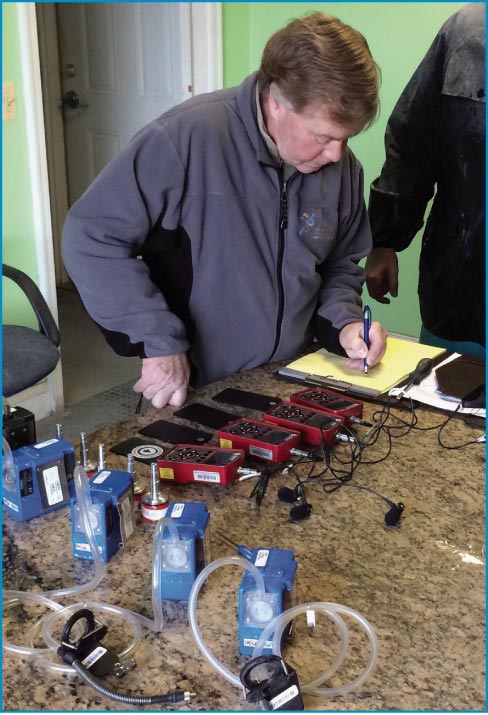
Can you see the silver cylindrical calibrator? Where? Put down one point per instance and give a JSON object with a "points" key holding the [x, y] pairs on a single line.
{"points": [[154, 503], [137, 487]]}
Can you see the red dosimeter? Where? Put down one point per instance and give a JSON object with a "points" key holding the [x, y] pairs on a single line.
{"points": [[315, 426], [260, 439], [190, 463], [333, 403]]}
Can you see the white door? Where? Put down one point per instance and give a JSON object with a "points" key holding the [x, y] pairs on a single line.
{"points": [[122, 65]]}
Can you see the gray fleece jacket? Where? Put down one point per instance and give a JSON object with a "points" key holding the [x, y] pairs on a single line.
{"points": [[191, 241]]}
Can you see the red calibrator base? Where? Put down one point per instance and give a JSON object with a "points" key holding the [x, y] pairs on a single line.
{"points": [[333, 403], [316, 427], [259, 439], [212, 465]]}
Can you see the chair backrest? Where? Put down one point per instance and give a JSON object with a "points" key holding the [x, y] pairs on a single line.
{"points": [[47, 324], [28, 355]]}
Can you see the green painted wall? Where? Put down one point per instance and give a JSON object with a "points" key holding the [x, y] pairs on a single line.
{"points": [[399, 34], [17, 219]]}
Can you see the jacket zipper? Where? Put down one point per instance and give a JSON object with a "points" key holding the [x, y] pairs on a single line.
{"points": [[283, 225]]}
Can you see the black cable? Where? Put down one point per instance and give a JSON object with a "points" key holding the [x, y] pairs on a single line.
{"points": [[93, 634], [177, 696], [457, 446], [261, 485], [139, 405]]}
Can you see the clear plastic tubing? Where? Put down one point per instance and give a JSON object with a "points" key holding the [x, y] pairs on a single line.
{"points": [[12, 598], [8, 470], [192, 608], [334, 611], [85, 503]]}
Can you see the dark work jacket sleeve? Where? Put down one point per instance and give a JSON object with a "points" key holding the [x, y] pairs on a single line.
{"points": [[399, 197]]}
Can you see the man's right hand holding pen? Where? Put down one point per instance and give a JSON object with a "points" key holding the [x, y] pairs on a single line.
{"points": [[352, 339]]}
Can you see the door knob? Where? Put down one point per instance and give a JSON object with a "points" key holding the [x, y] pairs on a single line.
{"points": [[72, 100]]}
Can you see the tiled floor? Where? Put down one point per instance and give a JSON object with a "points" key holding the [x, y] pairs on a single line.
{"points": [[90, 366], [97, 382]]}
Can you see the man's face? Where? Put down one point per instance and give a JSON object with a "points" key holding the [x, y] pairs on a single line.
{"points": [[307, 140]]}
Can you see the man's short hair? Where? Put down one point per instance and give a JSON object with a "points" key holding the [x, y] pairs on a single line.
{"points": [[319, 60]]}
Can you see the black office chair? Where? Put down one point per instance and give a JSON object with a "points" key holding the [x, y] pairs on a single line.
{"points": [[28, 355]]}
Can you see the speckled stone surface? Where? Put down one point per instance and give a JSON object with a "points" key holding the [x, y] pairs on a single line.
{"points": [[421, 586]]}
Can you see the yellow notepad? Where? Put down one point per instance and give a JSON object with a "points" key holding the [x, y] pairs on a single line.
{"points": [[324, 368]]}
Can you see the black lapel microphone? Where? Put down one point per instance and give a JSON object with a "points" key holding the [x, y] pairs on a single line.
{"points": [[394, 514], [301, 509]]}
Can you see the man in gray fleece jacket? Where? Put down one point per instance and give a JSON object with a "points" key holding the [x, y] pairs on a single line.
{"points": [[228, 233]]}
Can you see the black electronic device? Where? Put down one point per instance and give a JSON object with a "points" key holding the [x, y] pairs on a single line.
{"points": [[18, 427], [142, 451], [244, 398], [175, 434], [206, 416], [272, 683]]}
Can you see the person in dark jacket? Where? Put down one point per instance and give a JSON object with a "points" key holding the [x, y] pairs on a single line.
{"points": [[435, 140], [247, 210]]}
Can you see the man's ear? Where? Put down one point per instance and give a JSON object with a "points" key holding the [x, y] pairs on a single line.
{"points": [[274, 105]]}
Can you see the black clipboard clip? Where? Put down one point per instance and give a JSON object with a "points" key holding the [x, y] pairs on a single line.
{"points": [[321, 380], [328, 381]]}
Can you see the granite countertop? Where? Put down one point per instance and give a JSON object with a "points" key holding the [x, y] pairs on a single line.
{"points": [[421, 586]]}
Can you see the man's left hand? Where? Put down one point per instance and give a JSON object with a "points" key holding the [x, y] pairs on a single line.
{"points": [[351, 338]]}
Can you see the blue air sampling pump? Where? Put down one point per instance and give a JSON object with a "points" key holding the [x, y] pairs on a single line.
{"points": [[256, 610], [184, 547], [111, 513], [40, 479]]}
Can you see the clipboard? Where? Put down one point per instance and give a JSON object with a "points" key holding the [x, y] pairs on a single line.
{"points": [[327, 370], [329, 382]]}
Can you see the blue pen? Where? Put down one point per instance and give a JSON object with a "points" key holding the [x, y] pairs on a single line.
{"points": [[366, 328]]}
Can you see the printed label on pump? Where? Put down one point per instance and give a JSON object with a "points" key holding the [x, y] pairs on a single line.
{"points": [[199, 476], [45, 444], [52, 483], [10, 504], [82, 547], [260, 452], [262, 557], [177, 511], [94, 656], [225, 443], [251, 643], [284, 697], [100, 478]]}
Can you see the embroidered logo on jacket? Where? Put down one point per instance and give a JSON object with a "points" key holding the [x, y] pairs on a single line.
{"points": [[310, 226]]}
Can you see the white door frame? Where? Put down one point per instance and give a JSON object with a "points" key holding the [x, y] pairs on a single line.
{"points": [[48, 395], [49, 210]]}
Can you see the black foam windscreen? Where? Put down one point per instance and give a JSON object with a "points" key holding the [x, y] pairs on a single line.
{"points": [[300, 512], [287, 494], [392, 517]]}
